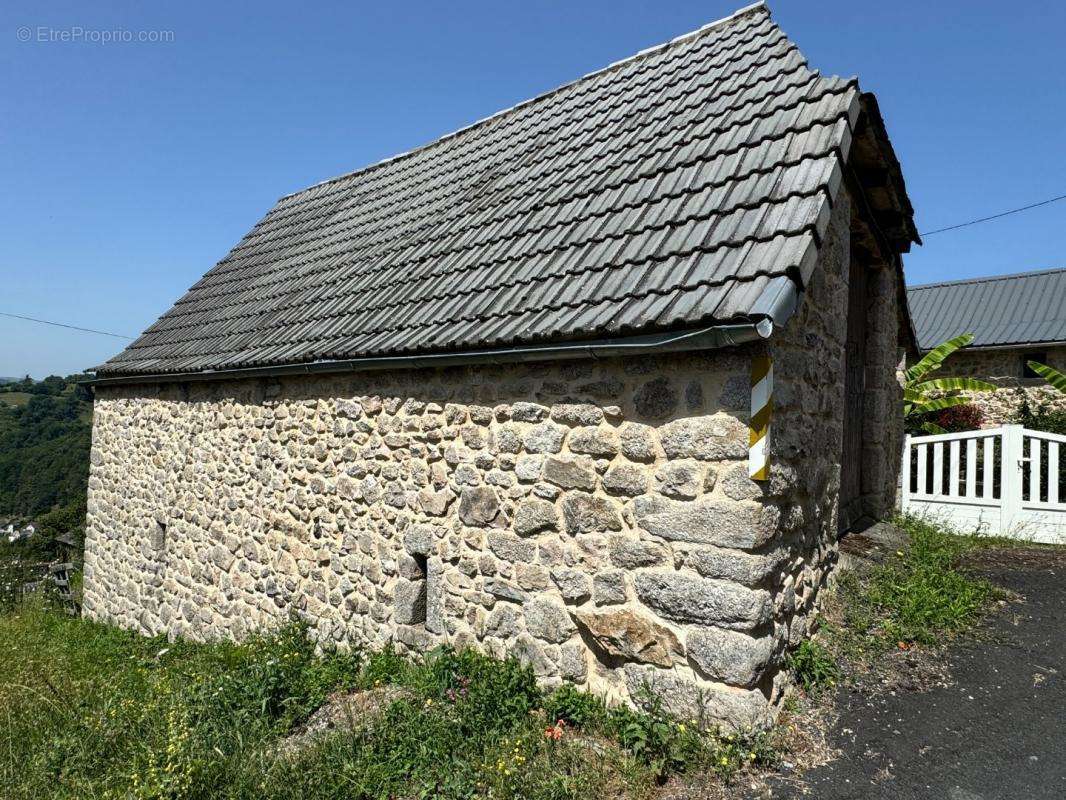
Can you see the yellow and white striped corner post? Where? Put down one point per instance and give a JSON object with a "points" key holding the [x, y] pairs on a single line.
{"points": [[762, 391]]}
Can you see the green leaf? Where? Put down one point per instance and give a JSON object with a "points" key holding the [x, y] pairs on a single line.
{"points": [[1050, 374], [939, 404], [932, 427], [935, 357], [954, 384]]}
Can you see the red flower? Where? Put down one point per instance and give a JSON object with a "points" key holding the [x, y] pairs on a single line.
{"points": [[554, 732]]}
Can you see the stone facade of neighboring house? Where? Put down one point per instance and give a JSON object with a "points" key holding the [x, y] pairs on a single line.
{"points": [[1015, 319], [587, 506], [1006, 369]]}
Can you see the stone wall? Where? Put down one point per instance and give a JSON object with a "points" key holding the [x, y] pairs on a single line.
{"points": [[1004, 368], [883, 401], [594, 518]]}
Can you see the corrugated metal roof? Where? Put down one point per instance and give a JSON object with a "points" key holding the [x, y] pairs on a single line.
{"points": [[667, 190], [1002, 310]]}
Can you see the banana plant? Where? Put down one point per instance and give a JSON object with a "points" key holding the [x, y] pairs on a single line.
{"points": [[1050, 374], [923, 395]]}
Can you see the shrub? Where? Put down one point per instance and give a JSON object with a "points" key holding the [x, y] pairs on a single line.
{"points": [[487, 694], [1040, 418], [275, 680], [960, 418], [813, 666], [577, 708], [925, 396]]}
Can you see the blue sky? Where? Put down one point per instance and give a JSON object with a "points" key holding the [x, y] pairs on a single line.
{"points": [[130, 168]]}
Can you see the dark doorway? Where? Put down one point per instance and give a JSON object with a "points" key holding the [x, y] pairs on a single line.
{"points": [[854, 396]]}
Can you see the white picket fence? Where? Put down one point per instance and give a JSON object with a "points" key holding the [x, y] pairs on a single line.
{"points": [[1006, 481]]}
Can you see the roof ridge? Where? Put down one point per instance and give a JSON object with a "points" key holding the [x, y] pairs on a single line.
{"points": [[703, 29], [988, 278], [591, 230]]}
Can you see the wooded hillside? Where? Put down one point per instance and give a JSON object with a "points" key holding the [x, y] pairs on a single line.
{"points": [[45, 432]]}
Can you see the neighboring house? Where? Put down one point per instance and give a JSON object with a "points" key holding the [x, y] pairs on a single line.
{"points": [[497, 391], [1014, 319]]}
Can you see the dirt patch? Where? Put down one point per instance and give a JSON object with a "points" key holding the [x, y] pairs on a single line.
{"points": [[342, 711], [801, 739], [1023, 557]]}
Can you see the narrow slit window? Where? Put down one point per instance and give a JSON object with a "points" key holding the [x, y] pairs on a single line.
{"points": [[159, 536]]}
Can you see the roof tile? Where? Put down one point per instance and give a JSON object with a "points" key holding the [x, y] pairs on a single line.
{"points": [[674, 188]]}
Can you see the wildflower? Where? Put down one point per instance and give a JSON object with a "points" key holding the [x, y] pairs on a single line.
{"points": [[682, 727], [554, 732]]}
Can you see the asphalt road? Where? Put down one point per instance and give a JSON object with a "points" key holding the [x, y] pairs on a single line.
{"points": [[998, 730]]}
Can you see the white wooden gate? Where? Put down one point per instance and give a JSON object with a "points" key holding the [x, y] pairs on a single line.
{"points": [[1007, 481]]}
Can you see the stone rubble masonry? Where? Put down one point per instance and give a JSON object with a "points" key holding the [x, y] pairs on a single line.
{"points": [[1004, 369], [592, 518]]}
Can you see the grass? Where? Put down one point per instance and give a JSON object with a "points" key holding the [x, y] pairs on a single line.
{"points": [[89, 711], [14, 399], [19, 565], [920, 597], [814, 666]]}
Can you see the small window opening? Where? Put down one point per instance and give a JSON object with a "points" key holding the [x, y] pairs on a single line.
{"points": [[159, 536], [1035, 355], [412, 596]]}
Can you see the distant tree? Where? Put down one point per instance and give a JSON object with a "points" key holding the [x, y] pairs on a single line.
{"points": [[44, 449]]}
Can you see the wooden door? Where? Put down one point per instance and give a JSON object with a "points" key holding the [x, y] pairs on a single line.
{"points": [[854, 396]]}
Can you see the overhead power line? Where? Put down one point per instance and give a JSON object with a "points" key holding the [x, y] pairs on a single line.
{"points": [[996, 216], [64, 325]]}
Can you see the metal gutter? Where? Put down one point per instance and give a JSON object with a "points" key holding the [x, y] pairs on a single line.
{"points": [[709, 338]]}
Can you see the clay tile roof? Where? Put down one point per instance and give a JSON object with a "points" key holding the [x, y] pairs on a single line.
{"points": [[683, 186]]}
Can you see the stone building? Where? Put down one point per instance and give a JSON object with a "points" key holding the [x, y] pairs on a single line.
{"points": [[498, 391], [1014, 319]]}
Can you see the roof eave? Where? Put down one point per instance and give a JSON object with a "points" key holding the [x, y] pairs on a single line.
{"points": [[706, 338], [1004, 346]]}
